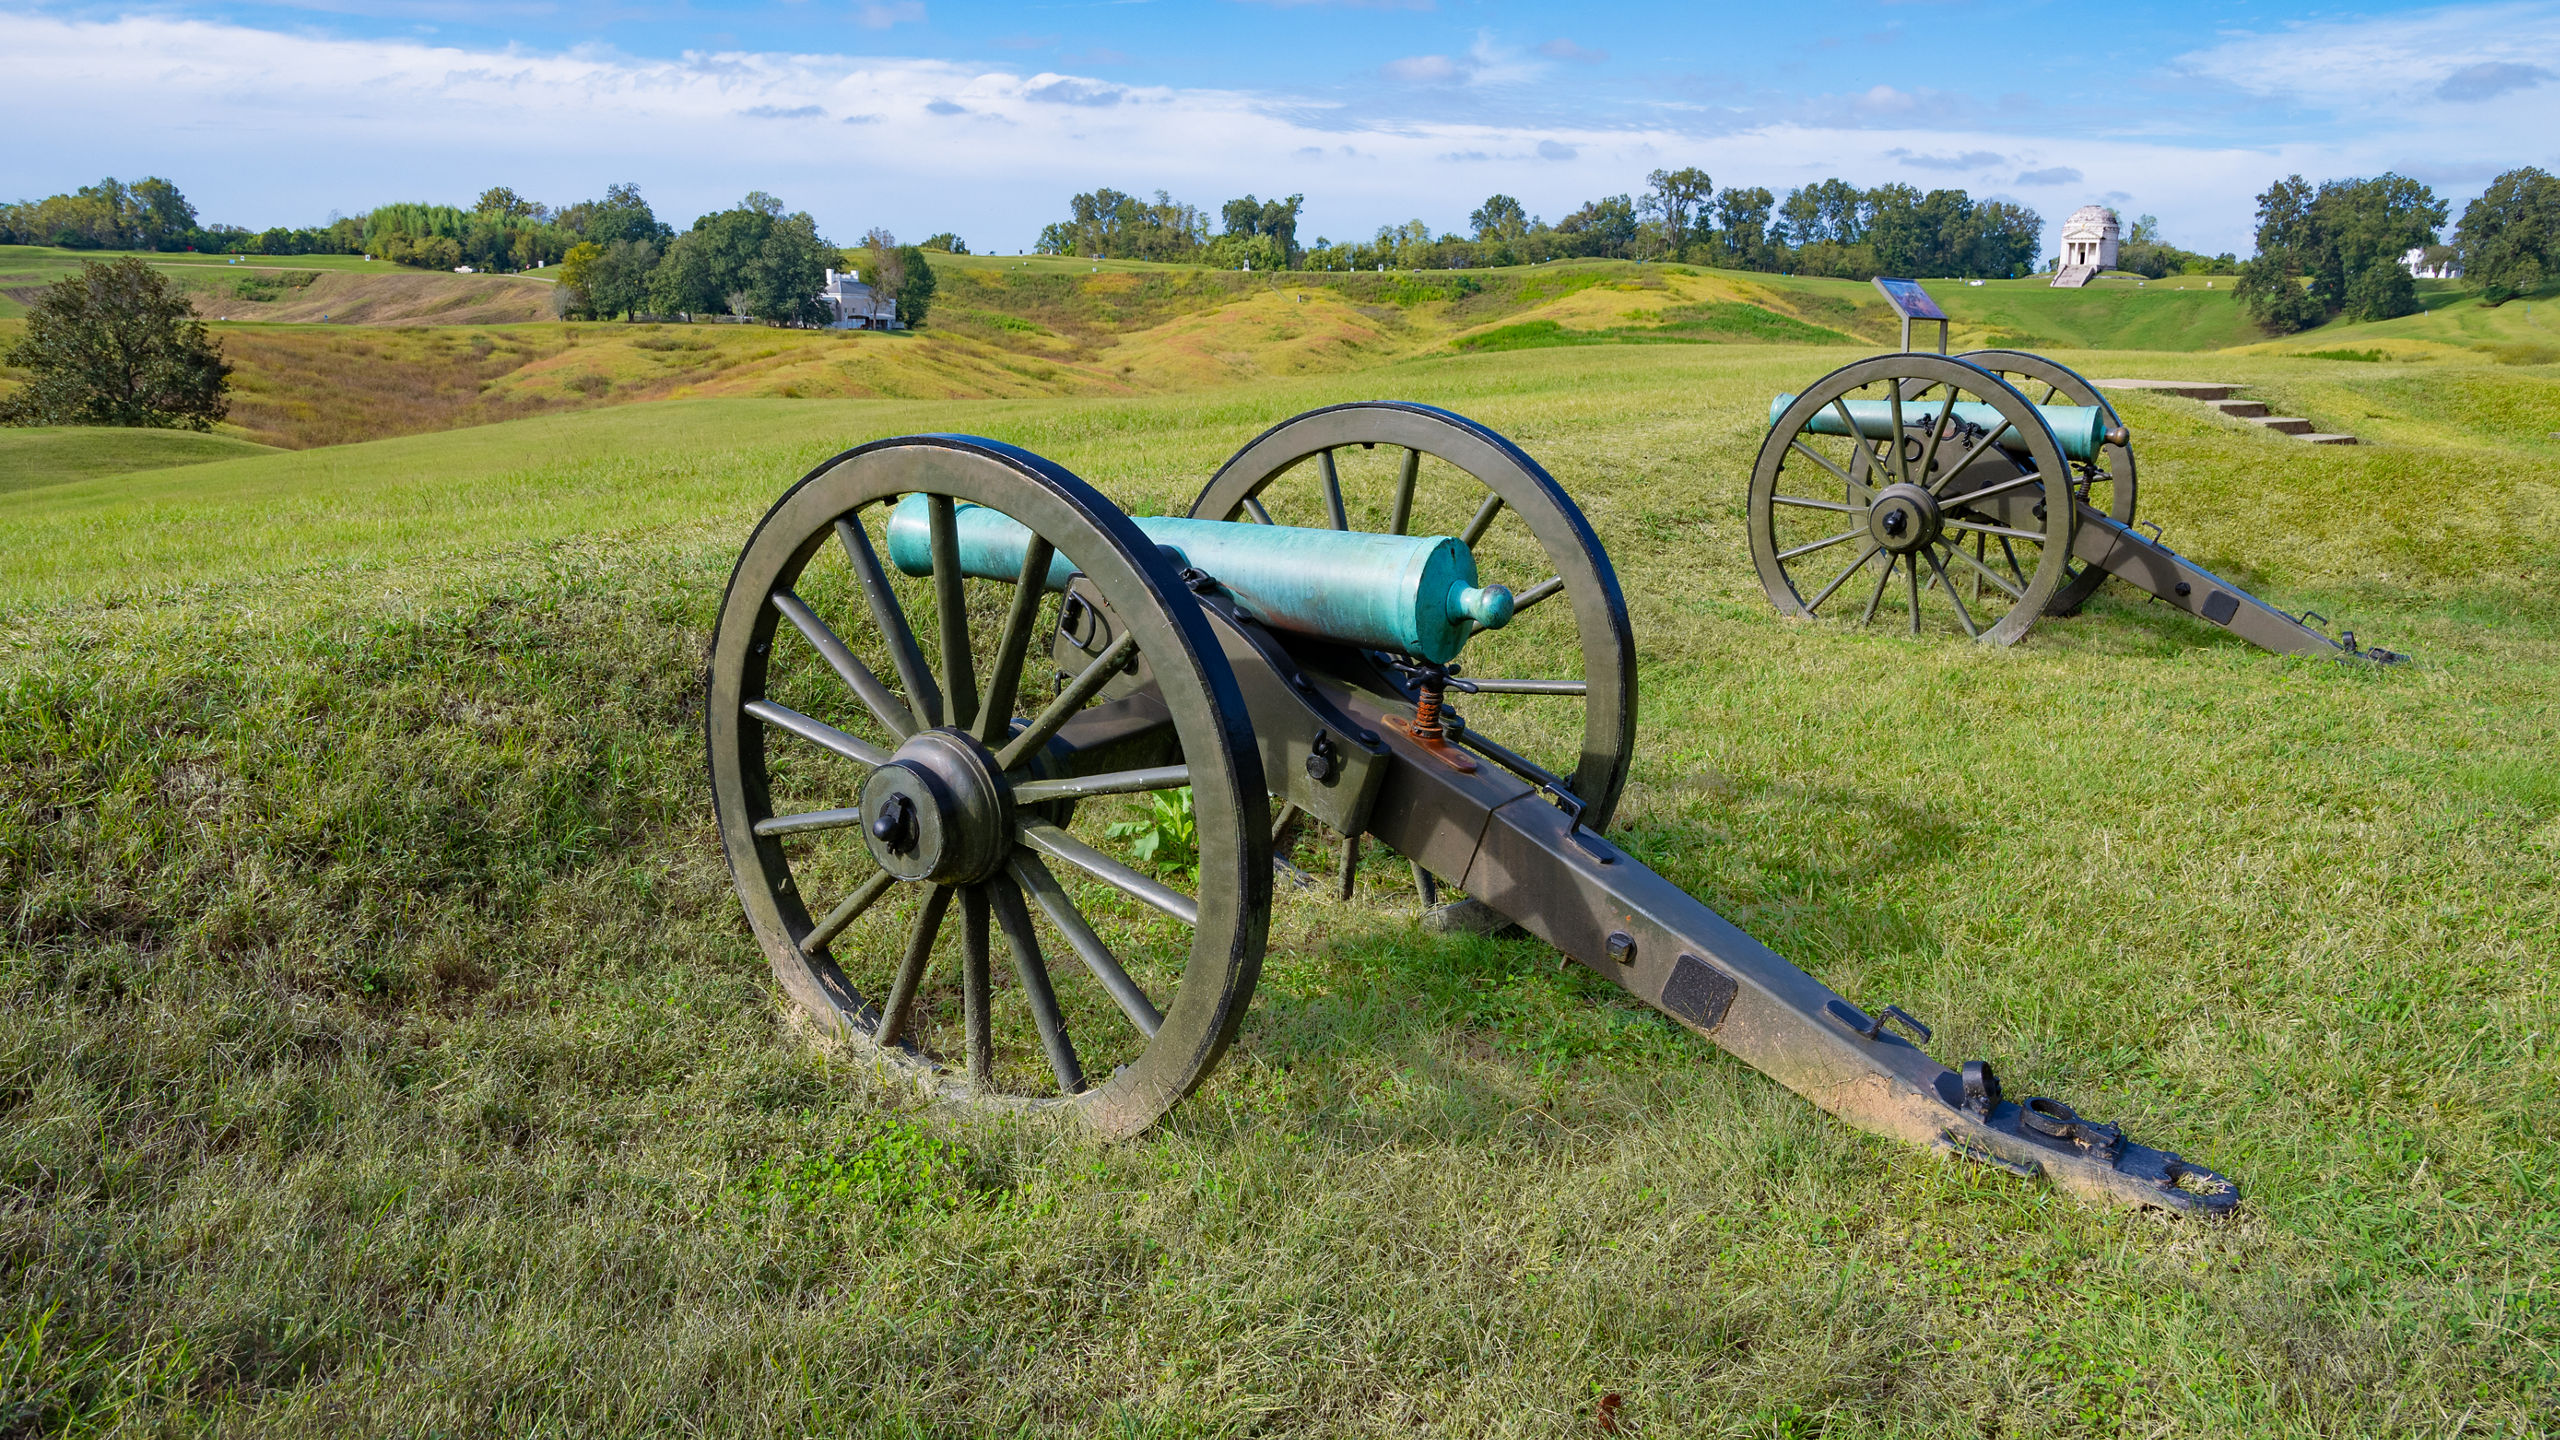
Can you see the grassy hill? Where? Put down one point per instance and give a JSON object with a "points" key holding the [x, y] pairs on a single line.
{"points": [[382, 1051], [55, 454], [341, 289]]}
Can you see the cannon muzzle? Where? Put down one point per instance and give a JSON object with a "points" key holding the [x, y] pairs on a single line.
{"points": [[1407, 594], [2082, 429]]}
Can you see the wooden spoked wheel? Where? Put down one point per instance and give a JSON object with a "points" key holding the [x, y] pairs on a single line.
{"points": [[904, 781], [1911, 488], [2105, 485], [1556, 688]]}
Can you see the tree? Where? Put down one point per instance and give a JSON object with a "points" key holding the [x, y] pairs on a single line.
{"points": [[752, 260], [620, 215], [1107, 224], [1602, 227], [506, 204], [1499, 218], [1742, 227], [2346, 240], [946, 242], [577, 278], [1276, 221], [2509, 238], [117, 344], [1679, 199]]}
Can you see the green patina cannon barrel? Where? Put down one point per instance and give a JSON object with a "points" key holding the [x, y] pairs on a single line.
{"points": [[1407, 594], [2082, 429]]}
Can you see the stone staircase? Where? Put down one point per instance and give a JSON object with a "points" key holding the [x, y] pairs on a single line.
{"points": [[2072, 277], [2218, 396]]}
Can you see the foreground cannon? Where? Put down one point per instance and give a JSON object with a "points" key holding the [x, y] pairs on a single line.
{"points": [[1940, 471], [974, 723]]}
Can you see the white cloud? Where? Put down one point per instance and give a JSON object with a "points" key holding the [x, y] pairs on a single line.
{"points": [[989, 151], [881, 14], [2370, 67], [1422, 70]]}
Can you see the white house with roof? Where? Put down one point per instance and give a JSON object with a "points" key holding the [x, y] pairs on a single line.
{"points": [[855, 305], [2089, 240]]}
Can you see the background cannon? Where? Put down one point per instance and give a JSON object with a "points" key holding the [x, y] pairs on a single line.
{"points": [[907, 742], [1923, 484]]}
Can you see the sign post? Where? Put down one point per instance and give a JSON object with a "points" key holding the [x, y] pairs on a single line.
{"points": [[1913, 303]]}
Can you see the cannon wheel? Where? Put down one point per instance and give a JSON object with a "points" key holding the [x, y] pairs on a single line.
{"points": [[834, 742], [2106, 486], [1947, 514], [1484, 478]]}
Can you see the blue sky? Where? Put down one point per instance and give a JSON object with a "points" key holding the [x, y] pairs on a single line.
{"points": [[927, 115]]}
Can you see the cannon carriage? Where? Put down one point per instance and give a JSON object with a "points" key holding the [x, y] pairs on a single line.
{"points": [[1918, 489], [951, 683]]}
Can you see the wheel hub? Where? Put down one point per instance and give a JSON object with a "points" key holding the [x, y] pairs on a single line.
{"points": [[938, 811], [1904, 518]]}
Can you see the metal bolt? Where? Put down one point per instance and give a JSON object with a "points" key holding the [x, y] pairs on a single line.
{"points": [[2185, 589], [1622, 947], [895, 825], [1895, 522]]}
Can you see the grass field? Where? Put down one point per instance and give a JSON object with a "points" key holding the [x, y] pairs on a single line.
{"points": [[55, 454], [383, 1051]]}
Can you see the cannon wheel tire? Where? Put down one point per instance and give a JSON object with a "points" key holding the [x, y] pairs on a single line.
{"points": [[1314, 469], [1947, 514], [2106, 486], [834, 741]]}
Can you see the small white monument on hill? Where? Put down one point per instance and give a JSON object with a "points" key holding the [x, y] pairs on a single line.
{"points": [[2088, 245]]}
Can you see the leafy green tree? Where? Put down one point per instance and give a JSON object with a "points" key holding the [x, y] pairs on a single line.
{"points": [[500, 201], [620, 215], [1605, 227], [1107, 224], [117, 344], [2509, 238], [1678, 198], [2341, 246], [915, 287], [753, 259], [946, 242], [1276, 221], [1499, 218], [1742, 228]]}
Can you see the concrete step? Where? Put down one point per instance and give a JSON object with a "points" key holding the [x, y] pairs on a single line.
{"points": [[2240, 409], [2316, 437], [2190, 389], [2283, 424]]}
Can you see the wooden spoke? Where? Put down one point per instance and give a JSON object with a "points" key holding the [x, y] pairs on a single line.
{"points": [[2014, 567], [1044, 888], [924, 699], [1069, 701], [1253, 507], [1530, 687], [1004, 678], [1982, 571], [864, 896], [1117, 782], [1536, 594], [1817, 457], [1985, 446], [1334, 514], [1049, 840], [1912, 572], [911, 966], [1975, 497], [1842, 578], [1405, 480], [813, 820], [977, 986], [951, 608], [1937, 428], [1958, 601], [1347, 879], [1833, 505], [1483, 520], [2003, 530], [888, 709], [1033, 971], [1901, 462], [817, 732], [1810, 547], [1875, 596]]}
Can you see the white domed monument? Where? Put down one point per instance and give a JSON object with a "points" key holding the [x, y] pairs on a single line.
{"points": [[2088, 246]]}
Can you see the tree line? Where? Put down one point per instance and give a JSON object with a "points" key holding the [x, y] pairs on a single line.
{"points": [[1833, 228]]}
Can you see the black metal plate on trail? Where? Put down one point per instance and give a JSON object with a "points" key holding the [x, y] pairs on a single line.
{"points": [[2220, 606], [1698, 993]]}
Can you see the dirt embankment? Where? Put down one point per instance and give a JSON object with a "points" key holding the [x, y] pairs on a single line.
{"points": [[424, 298]]}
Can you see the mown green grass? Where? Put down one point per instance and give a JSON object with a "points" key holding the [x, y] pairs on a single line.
{"points": [[383, 1052], [54, 454]]}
